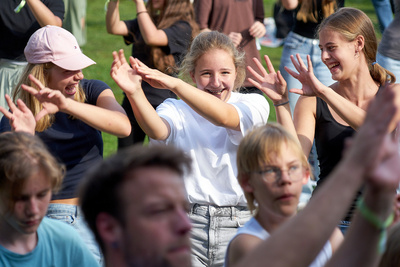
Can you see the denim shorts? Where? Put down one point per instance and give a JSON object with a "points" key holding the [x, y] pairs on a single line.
{"points": [[73, 216], [213, 228]]}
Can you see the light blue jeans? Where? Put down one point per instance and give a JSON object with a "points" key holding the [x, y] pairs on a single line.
{"points": [[383, 11], [297, 44], [389, 64], [73, 216], [213, 228]]}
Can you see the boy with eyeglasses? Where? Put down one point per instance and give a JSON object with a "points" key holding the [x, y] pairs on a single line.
{"points": [[272, 169]]}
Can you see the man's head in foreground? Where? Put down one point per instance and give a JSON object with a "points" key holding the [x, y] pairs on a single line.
{"points": [[136, 205]]}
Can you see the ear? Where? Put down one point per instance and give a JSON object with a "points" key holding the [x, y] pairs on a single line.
{"points": [[359, 43], [192, 76], [306, 177], [244, 181], [109, 229]]}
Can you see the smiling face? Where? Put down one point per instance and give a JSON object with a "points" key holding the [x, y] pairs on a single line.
{"points": [[339, 55], [157, 227], [64, 80], [215, 73], [30, 206], [279, 199]]}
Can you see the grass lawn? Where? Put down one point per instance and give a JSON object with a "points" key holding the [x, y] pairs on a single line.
{"points": [[100, 45]]}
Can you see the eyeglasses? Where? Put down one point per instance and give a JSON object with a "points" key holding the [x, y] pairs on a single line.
{"points": [[272, 174]]}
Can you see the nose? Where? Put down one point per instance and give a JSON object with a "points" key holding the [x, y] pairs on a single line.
{"points": [[284, 177], [79, 75], [32, 207], [215, 81], [324, 55], [182, 223]]}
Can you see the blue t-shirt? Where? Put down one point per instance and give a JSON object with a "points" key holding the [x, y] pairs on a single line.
{"points": [[58, 245], [73, 142]]}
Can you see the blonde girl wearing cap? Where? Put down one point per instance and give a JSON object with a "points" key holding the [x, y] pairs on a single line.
{"points": [[66, 111]]}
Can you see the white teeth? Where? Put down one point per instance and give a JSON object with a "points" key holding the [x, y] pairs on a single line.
{"points": [[333, 65], [215, 92]]}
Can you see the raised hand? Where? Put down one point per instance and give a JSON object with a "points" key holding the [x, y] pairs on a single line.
{"points": [[311, 85], [124, 75], [20, 117], [154, 77], [272, 83]]}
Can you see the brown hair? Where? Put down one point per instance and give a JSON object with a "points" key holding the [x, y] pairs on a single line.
{"points": [[308, 12], [391, 256], [207, 41], [172, 11], [256, 149], [40, 72], [21, 155], [350, 23]]}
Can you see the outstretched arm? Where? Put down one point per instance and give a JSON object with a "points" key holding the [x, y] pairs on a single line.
{"points": [[367, 155], [43, 14], [129, 81], [210, 107], [348, 111], [107, 115]]}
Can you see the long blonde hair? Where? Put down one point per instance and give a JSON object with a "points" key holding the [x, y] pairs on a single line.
{"points": [[41, 72]]}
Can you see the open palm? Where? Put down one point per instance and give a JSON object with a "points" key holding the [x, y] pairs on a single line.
{"points": [[311, 86]]}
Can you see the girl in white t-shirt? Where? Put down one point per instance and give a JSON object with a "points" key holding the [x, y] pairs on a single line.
{"points": [[208, 123]]}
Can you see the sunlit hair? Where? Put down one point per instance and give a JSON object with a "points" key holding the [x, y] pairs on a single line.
{"points": [[207, 41], [260, 147], [100, 190], [173, 11], [350, 23], [41, 72], [21, 156], [308, 11], [391, 256]]}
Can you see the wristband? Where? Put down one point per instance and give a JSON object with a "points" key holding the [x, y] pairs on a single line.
{"points": [[140, 12], [20, 6], [281, 104], [373, 219]]}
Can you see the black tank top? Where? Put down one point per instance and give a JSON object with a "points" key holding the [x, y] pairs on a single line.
{"points": [[329, 142]]}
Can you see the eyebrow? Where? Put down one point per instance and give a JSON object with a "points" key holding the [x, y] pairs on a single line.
{"points": [[38, 193]]}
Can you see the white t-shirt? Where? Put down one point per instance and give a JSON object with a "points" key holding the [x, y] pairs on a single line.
{"points": [[212, 148]]}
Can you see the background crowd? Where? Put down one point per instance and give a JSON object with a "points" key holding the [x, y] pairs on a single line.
{"points": [[196, 82]]}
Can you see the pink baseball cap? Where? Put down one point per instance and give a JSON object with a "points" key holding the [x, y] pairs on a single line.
{"points": [[57, 45]]}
